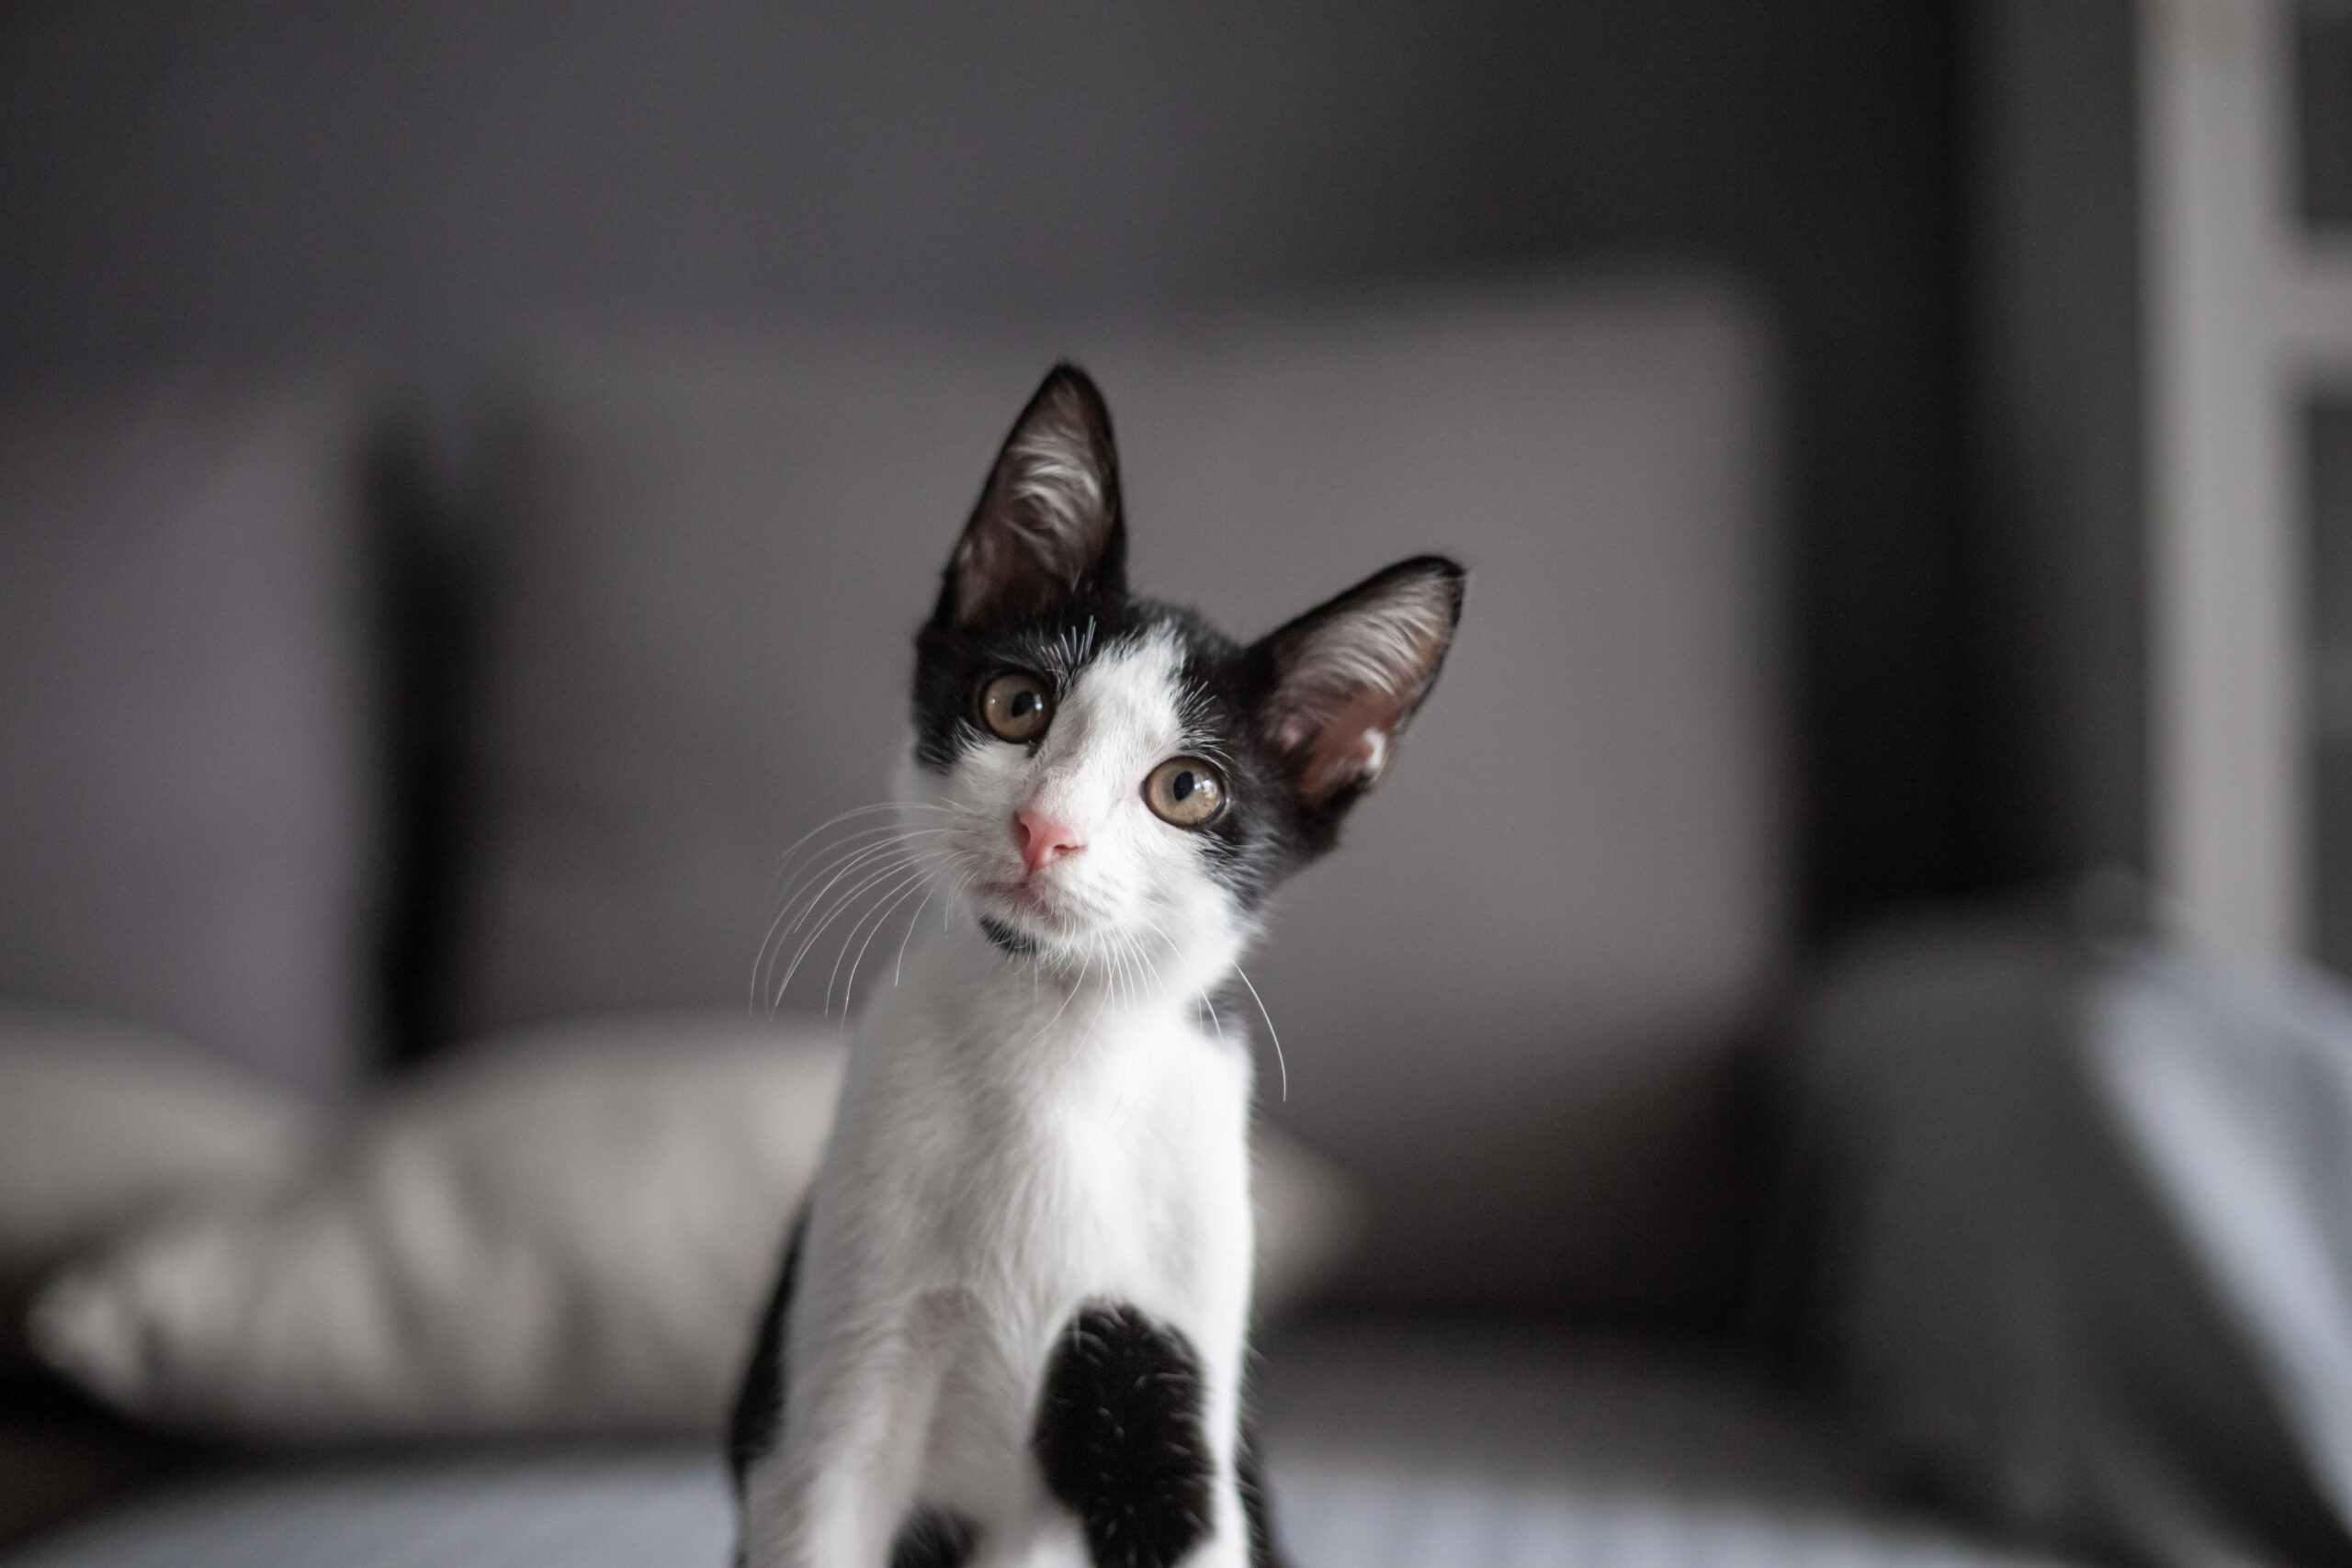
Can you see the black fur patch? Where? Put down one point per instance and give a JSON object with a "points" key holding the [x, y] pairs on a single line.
{"points": [[759, 1404], [1006, 939], [935, 1538], [1120, 1438]]}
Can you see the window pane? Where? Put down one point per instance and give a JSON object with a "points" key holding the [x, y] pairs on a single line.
{"points": [[2324, 98]]}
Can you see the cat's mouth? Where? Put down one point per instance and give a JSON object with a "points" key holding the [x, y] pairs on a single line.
{"points": [[1023, 897], [1027, 911]]}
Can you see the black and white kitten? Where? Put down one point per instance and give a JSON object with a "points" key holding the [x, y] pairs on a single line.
{"points": [[1010, 1325]]}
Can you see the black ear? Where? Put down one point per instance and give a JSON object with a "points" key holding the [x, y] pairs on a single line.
{"points": [[1344, 678], [1047, 527]]}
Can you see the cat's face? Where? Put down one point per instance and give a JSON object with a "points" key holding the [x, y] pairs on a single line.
{"points": [[1118, 786]]}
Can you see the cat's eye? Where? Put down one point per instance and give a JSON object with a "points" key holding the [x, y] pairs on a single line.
{"points": [[1185, 790], [1016, 706]]}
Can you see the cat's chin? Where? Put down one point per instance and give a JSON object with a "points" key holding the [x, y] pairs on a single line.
{"points": [[1030, 929], [1040, 917], [1008, 941], [1019, 921]]}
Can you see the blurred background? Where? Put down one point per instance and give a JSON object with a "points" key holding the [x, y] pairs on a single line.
{"points": [[1870, 1078]]}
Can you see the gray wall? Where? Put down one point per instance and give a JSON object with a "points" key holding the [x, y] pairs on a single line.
{"points": [[2054, 308], [419, 182]]}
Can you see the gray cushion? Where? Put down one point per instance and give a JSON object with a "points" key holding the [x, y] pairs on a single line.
{"points": [[183, 812], [2071, 1217], [1506, 1001]]}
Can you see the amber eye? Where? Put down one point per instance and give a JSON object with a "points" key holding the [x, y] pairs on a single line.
{"points": [[1185, 791], [1016, 706]]}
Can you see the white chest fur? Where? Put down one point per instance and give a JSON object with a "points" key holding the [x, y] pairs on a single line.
{"points": [[1009, 1148]]}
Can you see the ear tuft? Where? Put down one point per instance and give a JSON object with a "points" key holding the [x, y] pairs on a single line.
{"points": [[1346, 677], [1047, 527]]}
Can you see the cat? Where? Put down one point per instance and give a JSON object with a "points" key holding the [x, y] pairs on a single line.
{"points": [[1010, 1324]]}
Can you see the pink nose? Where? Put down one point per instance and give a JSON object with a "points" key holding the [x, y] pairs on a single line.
{"points": [[1043, 839]]}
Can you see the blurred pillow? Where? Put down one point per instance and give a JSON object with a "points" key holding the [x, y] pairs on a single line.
{"points": [[184, 816], [103, 1124], [570, 1232]]}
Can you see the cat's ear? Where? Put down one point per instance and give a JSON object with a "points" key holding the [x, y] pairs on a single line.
{"points": [[1047, 527], [1344, 678]]}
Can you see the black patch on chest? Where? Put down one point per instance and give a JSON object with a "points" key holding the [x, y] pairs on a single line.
{"points": [[1120, 1438], [935, 1538], [759, 1403]]}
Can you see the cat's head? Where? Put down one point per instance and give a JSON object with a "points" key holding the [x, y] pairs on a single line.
{"points": [[1119, 784]]}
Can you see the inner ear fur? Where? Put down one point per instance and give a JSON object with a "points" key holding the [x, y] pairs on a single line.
{"points": [[1345, 678], [1047, 527]]}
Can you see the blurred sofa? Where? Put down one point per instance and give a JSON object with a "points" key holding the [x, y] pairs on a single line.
{"points": [[337, 727], [341, 730], [1507, 1007]]}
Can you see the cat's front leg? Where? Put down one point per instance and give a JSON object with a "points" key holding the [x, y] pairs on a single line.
{"points": [[837, 1490], [1231, 1539], [804, 1510], [1229, 1548]]}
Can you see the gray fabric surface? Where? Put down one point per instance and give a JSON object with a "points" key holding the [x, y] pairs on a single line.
{"points": [[185, 821], [1390, 1450], [1507, 1002], [2081, 1255], [669, 1510], [2233, 1093]]}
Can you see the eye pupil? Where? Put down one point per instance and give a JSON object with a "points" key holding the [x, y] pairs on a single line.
{"points": [[1015, 707], [1181, 786]]}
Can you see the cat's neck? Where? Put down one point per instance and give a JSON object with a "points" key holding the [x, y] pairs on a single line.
{"points": [[956, 963]]}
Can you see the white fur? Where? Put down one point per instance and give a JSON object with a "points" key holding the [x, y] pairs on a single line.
{"points": [[1018, 1137]]}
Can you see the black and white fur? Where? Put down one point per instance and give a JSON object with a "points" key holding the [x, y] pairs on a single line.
{"points": [[1010, 1325]]}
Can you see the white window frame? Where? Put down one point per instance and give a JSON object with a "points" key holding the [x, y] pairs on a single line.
{"points": [[2246, 312]]}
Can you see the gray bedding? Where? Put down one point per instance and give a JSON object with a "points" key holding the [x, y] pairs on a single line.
{"points": [[670, 1509], [1391, 1449], [2077, 1249]]}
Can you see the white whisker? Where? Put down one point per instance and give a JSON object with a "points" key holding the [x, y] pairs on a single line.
{"points": [[898, 970], [850, 847], [845, 866], [839, 904], [898, 895], [906, 871], [1273, 1034], [909, 873], [785, 860], [841, 849], [1065, 1001]]}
